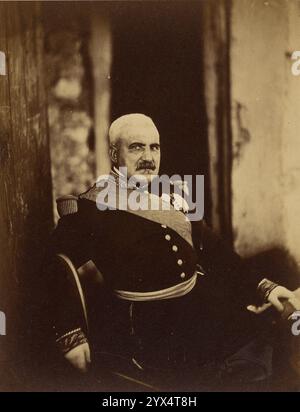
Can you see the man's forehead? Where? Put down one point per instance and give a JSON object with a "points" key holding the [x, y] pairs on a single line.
{"points": [[143, 134]]}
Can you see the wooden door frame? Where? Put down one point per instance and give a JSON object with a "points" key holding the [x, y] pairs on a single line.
{"points": [[216, 46]]}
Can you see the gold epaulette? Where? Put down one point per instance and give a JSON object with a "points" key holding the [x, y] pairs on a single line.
{"points": [[67, 205]]}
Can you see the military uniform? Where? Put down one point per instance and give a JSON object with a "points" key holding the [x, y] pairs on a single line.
{"points": [[200, 314]]}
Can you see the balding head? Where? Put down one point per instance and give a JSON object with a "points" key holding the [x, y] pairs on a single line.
{"points": [[134, 143], [130, 124]]}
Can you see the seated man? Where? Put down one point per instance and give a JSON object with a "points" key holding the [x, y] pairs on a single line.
{"points": [[180, 298]]}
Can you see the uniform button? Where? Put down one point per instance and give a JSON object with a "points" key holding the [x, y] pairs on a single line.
{"points": [[182, 275], [174, 248], [179, 262], [168, 237], [164, 226]]}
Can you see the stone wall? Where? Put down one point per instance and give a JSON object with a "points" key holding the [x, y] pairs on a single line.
{"points": [[70, 110], [265, 100]]}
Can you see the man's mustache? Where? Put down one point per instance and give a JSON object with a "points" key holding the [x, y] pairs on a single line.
{"points": [[146, 165]]}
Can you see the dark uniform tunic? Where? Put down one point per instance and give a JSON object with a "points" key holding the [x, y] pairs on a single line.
{"points": [[143, 251]]}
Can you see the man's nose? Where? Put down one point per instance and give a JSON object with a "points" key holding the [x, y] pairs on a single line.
{"points": [[147, 155]]}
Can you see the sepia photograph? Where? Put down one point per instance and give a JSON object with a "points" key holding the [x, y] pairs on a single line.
{"points": [[149, 198]]}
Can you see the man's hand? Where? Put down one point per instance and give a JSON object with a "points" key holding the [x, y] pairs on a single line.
{"points": [[79, 357], [280, 292], [274, 297]]}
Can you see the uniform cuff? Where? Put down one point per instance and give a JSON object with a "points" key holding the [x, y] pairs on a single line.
{"points": [[265, 287], [70, 340]]}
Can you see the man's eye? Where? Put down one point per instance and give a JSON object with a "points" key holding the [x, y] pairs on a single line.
{"points": [[136, 147], [155, 148]]}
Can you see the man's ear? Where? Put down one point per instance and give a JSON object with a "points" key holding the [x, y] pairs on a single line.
{"points": [[113, 153]]}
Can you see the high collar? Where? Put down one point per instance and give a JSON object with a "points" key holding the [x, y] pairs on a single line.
{"points": [[121, 181]]}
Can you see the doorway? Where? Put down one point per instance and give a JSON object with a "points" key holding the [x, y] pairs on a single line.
{"points": [[157, 69]]}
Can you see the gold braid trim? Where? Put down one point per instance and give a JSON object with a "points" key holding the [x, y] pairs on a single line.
{"points": [[70, 340]]}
